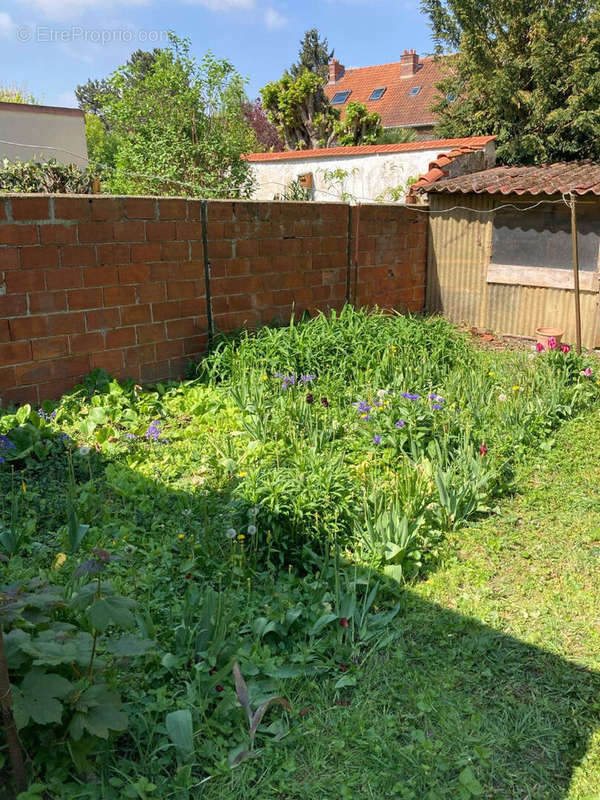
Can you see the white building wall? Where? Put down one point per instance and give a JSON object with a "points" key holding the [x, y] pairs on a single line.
{"points": [[365, 177], [41, 133]]}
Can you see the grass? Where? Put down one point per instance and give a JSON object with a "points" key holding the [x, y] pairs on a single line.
{"points": [[255, 517]]}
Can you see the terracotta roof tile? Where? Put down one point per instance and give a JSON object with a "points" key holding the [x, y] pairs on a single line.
{"points": [[396, 107], [459, 146], [437, 169], [581, 177]]}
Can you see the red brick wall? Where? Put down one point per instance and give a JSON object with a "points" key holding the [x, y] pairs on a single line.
{"points": [[119, 282]]}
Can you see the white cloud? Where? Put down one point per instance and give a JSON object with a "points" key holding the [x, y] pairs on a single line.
{"points": [[6, 24], [274, 19], [225, 5], [67, 99], [68, 9]]}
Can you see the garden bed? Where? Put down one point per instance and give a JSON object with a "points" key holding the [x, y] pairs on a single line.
{"points": [[266, 513]]}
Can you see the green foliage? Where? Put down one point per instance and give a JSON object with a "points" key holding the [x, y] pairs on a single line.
{"points": [[265, 514], [11, 93], [314, 55], [396, 136], [301, 111], [48, 177], [294, 191], [525, 72], [358, 126], [165, 124]]}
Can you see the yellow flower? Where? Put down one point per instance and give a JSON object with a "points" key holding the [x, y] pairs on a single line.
{"points": [[241, 537], [242, 474], [23, 486], [516, 388], [181, 536], [264, 377], [59, 560], [491, 374]]}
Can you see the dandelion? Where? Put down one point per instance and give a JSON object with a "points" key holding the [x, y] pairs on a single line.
{"points": [[181, 537], [231, 533], [502, 397], [83, 451], [516, 388], [400, 424], [253, 512], [377, 439], [251, 530], [491, 373], [381, 393], [242, 474], [264, 377], [539, 347], [240, 537], [565, 348]]}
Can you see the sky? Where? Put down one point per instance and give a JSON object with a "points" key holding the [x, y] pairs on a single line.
{"points": [[50, 46]]}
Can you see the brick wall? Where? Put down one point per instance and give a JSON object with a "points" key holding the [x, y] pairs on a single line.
{"points": [[119, 282]]}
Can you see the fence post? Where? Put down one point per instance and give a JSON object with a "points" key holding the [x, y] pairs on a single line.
{"points": [[209, 314]]}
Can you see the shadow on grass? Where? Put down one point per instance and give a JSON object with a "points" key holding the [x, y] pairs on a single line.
{"points": [[455, 709]]}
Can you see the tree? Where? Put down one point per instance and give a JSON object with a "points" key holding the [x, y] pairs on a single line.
{"points": [[17, 94], [178, 126], [526, 71], [300, 110], [267, 136], [314, 55], [358, 126]]}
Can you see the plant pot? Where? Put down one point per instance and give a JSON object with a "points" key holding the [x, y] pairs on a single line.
{"points": [[543, 334]]}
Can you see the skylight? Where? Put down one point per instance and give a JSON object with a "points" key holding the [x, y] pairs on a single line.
{"points": [[340, 97], [450, 97], [414, 91], [377, 94]]}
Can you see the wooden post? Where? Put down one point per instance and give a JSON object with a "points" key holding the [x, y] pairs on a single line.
{"points": [[576, 274]]}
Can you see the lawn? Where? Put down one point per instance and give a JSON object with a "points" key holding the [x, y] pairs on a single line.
{"points": [[353, 557]]}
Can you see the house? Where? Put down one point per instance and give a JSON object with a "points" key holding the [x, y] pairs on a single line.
{"points": [[402, 93], [42, 132], [500, 248], [367, 173]]}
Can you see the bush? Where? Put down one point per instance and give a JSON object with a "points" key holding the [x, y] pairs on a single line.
{"points": [[46, 177]]}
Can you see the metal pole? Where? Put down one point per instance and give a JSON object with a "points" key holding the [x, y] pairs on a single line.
{"points": [[576, 274]]}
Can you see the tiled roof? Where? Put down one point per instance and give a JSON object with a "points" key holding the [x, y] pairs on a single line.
{"points": [[456, 146], [396, 107], [581, 177]]}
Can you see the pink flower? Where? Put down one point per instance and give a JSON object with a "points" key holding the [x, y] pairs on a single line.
{"points": [[539, 347], [344, 622], [565, 348], [552, 343], [587, 372], [483, 449]]}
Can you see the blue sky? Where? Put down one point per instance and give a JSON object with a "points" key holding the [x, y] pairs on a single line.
{"points": [[50, 46]]}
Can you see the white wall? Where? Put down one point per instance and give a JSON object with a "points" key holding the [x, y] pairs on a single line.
{"points": [[369, 176], [42, 132]]}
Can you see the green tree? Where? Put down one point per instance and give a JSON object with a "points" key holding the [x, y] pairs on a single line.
{"points": [[359, 126], [526, 71], [314, 55], [179, 126], [300, 110]]}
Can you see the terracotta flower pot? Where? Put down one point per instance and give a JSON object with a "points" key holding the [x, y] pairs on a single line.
{"points": [[544, 334]]}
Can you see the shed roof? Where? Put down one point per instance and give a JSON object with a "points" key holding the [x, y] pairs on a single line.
{"points": [[468, 144], [580, 177]]}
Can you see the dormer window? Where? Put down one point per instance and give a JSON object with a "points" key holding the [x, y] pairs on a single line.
{"points": [[339, 98], [377, 94], [414, 91]]}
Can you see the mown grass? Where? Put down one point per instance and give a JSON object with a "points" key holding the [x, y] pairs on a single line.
{"points": [[468, 671]]}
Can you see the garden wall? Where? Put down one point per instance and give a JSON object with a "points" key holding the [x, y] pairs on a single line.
{"points": [[120, 282]]}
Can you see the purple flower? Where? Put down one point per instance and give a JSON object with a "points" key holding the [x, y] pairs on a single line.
{"points": [[437, 407], [325, 402], [286, 380], [6, 444], [377, 439], [437, 397], [307, 378], [363, 407], [366, 416], [410, 396], [153, 431], [400, 424], [310, 399], [2, 460], [48, 417], [130, 436]]}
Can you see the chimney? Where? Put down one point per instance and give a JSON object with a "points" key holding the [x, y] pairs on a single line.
{"points": [[409, 63], [336, 70]]}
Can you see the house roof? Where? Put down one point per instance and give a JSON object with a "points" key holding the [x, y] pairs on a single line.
{"points": [[580, 177], [456, 147], [396, 107]]}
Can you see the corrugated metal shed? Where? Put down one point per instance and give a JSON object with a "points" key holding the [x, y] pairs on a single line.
{"points": [[462, 286]]}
